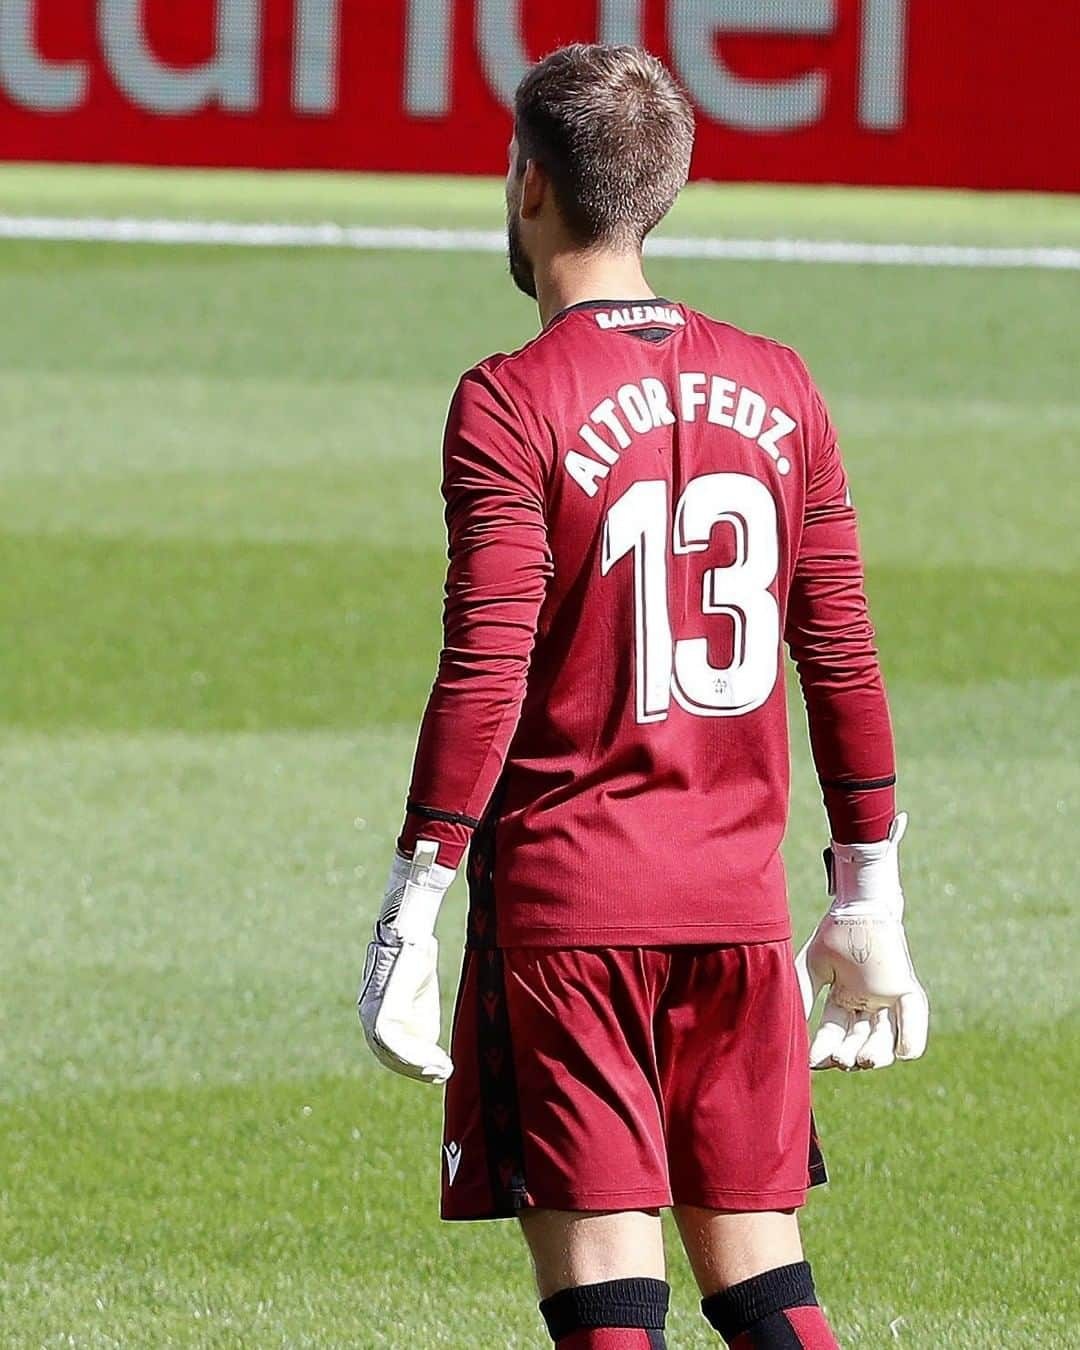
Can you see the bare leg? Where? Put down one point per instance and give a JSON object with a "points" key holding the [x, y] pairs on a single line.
{"points": [[571, 1248], [726, 1248], [758, 1290]]}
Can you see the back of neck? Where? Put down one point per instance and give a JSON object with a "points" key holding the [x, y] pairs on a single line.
{"points": [[573, 278]]}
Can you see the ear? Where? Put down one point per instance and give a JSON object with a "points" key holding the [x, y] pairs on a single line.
{"points": [[535, 186]]}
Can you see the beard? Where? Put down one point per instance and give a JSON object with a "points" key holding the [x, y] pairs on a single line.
{"points": [[521, 269]]}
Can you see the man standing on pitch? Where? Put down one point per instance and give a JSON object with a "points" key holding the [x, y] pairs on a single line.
{"points": [[642, 504]]}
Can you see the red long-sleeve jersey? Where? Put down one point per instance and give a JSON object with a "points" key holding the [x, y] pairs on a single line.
{"points": [[642, 505]]}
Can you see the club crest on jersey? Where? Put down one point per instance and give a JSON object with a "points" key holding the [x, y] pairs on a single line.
{"points": [[627, 316], [641, 407]]}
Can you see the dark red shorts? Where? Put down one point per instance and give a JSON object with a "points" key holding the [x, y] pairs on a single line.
{"points": [[628, 1078]]}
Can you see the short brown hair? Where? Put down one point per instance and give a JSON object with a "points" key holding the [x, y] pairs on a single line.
{"points": [[613, 132]]}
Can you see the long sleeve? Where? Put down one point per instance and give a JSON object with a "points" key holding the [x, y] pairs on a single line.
{"points": [[499, 565], [832, 643]]}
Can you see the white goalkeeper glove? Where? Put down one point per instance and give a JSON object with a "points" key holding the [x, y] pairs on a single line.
{"points": [[399, 992], [876, 1010]]}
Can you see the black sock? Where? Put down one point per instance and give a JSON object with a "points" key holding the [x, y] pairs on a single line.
{"points": [[776, 1310], [611, 1313]]}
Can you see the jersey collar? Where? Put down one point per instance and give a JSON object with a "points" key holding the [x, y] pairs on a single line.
{"points": [[609, 304]]}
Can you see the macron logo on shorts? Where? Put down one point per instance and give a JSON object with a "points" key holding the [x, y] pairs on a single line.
{"points": [[453, 1160]]}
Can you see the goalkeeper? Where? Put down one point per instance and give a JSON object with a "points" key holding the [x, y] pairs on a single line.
{"points": [[643, 504]]}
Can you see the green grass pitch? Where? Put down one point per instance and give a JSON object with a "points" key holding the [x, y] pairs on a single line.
{"points": [[222, 558]]}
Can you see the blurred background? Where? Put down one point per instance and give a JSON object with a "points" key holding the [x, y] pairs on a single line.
{"points": [[246, 249]]}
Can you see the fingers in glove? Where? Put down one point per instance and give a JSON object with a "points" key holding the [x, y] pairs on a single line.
{"points": [[433, 1071], [847, 1053], [835, 1022], [399, 1009], [879, 1051], [410, 1056], [912, 1023]]}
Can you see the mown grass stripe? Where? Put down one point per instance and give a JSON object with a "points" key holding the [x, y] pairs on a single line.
{"points": [[273, 234]]}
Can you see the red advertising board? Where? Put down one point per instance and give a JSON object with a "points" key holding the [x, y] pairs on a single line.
{"points": [[850, 91]]}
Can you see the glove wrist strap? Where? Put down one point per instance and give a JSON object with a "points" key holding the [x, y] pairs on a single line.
{"points": [[415, 893], [864, 879]]}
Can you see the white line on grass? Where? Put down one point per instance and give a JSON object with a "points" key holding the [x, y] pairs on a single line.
{"points": [[92, 229]]}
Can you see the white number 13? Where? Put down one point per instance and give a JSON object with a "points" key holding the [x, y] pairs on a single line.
{"points": [[638, 524]]}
